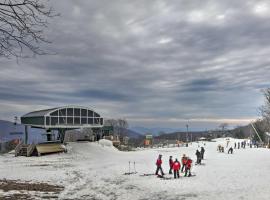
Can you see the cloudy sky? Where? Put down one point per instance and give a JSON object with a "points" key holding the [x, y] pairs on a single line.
{"points": [[155, 63]]}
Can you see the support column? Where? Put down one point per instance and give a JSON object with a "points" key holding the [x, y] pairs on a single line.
{"points": [[25, 134], [62, 133]]}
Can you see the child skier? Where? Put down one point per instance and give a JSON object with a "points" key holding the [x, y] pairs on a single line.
{"points": [[158, 164], [176, 168], [188, 167], [170, 164], [184, 162]]}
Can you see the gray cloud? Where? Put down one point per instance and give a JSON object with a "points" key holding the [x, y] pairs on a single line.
{"points": [[148, 59]]}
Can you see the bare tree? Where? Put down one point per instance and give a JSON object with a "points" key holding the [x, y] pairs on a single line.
{"points": [[22, 24], [123, 125], [223, 126], [119, 126], [265, 109]]}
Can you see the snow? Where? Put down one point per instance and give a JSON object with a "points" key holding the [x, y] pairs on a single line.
{"points": [[96, 171]]}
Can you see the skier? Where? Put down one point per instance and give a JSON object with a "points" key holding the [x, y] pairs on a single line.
{"points": [[176, 168], [188, 167], [184, 162], [170, 164], [238, 145], [198, 154], [202, 152], [235, 145], [158, 164], [230, 150]]}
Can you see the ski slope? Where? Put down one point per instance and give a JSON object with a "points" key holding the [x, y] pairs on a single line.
{"points": [[96, 171]]}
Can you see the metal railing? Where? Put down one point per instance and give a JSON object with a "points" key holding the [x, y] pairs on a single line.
{"points": [[18, 148]]}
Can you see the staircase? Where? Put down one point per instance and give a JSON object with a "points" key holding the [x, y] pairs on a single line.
{"points": [[24, 149]]}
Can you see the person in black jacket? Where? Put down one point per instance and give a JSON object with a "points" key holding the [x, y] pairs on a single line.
{"points": [[170, 164], [202, 152], [198, 154]]}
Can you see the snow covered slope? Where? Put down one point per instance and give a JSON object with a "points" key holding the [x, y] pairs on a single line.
{"points": [[96, 171]]}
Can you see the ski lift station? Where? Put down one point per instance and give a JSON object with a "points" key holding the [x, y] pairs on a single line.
{"points": [[61, 119]]}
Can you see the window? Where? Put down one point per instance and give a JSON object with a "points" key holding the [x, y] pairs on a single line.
{"points": [[77, 112], [90, 121], [101, 121], [90, 113], [63, 112], [55, 113], [84, 113], [54, 121], [84, 120], [47, 120], [70, 120], [76, 120], [96, 120], [97, 115], [62, 120], [70, 112]]}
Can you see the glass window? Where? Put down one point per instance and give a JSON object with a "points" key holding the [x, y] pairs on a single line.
{"points": [[96, 120], [76, 120], [70, 112], [90, 121], [70, 120], [55, 113], [63, 112], [77, 112], [54, 120], [90, 113], [101, 121], [84, 113], [47, 120], [97, 115], [62, 120], [84, 120]]}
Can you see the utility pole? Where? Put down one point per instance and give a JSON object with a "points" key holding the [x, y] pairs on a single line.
{"points": [[187, 133]]}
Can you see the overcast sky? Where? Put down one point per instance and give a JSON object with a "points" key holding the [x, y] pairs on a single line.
{"points": [[155, 63]]}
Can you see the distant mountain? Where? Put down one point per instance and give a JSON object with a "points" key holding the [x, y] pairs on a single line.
{"points": [[133, 134], [154, 131]]}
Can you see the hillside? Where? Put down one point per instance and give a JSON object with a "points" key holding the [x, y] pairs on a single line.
{"points": [[96, 171]]}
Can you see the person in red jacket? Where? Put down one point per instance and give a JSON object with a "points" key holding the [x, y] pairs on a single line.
{"points": [[188, 167], [176, 168], [184, 162], [170, 164], [158, 164]]}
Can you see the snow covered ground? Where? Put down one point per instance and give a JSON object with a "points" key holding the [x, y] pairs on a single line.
{"points": [[96, 171]]}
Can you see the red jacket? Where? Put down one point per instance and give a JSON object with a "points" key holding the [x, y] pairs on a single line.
{"points": [[176, 165], [159, 162], [184, 160], [189, 162]]}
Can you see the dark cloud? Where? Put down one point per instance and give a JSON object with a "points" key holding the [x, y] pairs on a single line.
{"points": [[161, 61]]}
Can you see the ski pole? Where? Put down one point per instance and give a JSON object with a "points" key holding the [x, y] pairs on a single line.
{"points": [[135, 167], [129, 167]]}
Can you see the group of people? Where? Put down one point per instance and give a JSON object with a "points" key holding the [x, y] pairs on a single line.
{"points": [[237, 145], [200, 155], [175, 166]]}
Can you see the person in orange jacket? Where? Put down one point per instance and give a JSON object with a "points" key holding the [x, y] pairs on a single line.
{"points": [[184, 162], [188, 167], [158, 164], [176, 168]]}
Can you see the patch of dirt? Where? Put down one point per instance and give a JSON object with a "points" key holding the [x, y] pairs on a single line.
{"points": [[8, 185], [17, 197]]}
